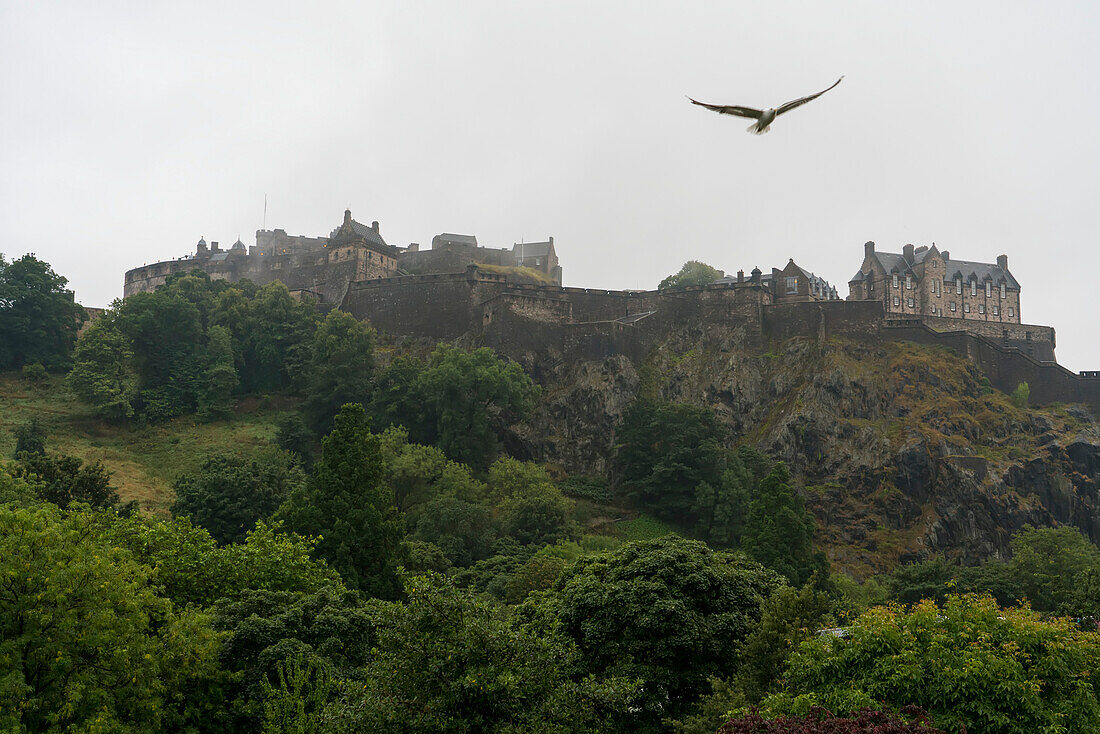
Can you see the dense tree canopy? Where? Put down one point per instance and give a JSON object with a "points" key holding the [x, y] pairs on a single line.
{"points": [[968, 663], [348, 506], [670, 612], [340, 367], [38, 317]]}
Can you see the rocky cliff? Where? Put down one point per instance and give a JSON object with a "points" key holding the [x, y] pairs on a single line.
{"points": [[901, 450]]}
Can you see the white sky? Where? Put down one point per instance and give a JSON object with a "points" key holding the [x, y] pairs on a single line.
{"points": [[127, 130]]}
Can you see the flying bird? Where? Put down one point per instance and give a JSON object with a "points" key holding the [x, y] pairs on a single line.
{"points": [[763, 118]]}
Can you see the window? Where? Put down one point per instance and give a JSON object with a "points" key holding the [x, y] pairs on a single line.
{"points": [[897, 301], [996, 311], [1011, 312], [973, 287], [981, 308], [958, 286], [908, 282], [936, 287], [988, 289], [894, 280], [910, 303], [792, 285], [870, 286], [954, 307], [1003, 294], [966, 308]]}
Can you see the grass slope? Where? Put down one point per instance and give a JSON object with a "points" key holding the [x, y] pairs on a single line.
{"points": [[143, 460]]}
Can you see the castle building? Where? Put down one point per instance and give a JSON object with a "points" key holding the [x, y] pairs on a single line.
{"points": [[924, 282], [792, 283]]}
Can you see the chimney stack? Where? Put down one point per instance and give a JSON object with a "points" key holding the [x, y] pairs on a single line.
{"points": [[908, 253], [946, 255], [740, 276], [868, 248], [414, 247], [1002, 262], [374, 226], [347, 216]]}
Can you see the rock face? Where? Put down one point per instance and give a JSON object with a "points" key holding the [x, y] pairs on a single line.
{"points": [[901, 450]]}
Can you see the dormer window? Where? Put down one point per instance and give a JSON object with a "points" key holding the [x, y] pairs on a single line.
{"points": [[894, 280], [908, 282], [958, 286], [988, 289], [1003, 294], [973, 287]]}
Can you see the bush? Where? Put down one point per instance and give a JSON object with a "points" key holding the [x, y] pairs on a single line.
{"points": [[35, 374], [1021, 395], [30, 438], [820, 721]]}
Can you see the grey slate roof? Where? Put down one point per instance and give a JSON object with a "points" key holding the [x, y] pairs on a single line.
{"points": [[460, 239], [532, 249], [981, 271]]}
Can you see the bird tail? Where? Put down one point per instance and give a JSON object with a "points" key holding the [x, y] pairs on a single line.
{"points": [[755, 131]]}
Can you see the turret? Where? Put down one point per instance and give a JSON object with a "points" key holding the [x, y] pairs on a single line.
{"points": [[201, 249]]}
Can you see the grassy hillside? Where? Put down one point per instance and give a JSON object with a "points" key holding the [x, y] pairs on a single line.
{"points": [[144, 460]]}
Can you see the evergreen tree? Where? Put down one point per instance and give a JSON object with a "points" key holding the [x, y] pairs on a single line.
{"points": [[340, 367], [30, 437], [780, 530], [349, 507], [219, 378]]}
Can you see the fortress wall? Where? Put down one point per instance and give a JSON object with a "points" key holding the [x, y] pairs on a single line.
{"points": [[435, 306], [822, 319], [453, 258]]}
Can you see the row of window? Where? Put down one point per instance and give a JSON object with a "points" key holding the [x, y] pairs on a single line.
{"points": [[994, 310], [958, 284]]}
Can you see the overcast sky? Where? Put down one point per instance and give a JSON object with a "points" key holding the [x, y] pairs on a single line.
{"points": [[129, 130]]}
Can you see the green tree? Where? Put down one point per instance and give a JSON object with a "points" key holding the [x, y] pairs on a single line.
{"points": [[349, 507], [67, 479], [669, 612], [294, 436], [294, 704], [219, 376], [229, 494], [693, 272], [86, 643], [418, 474], [35, 374], [38, 317], [1049, 565], [463, 531], [329, 630], [193, 569], [30, 437], [969, 663], [397, 401], [722, 508], [339, 369], [470, 397], [779, 531], [166, 338], [449, 662], [103, 375], [664, 451]]}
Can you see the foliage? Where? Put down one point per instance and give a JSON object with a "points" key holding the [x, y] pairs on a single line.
{"points": [[821, 721], [397, 402], [721, 508], [294, 704], [67, 479], [103, 374], [418, 474], [86, 644], [30, 437], [229, 494], [35, 374], [463, 531], [670, 612], [469, 397], [349, 508], [38, 317], [779, 530], [294, 436], [215, 398], [339, 370], [968, 663], [16, 490], [693, 272], [193, 569], [663, 451], [328, 631], [1021, 395], [533, 509], [449, 662]]}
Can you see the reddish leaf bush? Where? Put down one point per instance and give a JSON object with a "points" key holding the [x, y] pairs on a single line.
{"points": [[821, 721]]}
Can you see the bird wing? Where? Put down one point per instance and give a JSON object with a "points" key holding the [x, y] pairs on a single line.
{"points": [[731, 109], [788, 106]]}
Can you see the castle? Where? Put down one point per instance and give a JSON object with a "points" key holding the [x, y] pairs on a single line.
{"points": [[513, 300]]}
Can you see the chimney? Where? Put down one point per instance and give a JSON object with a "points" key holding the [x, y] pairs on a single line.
{"points": [[414, 247], [908, 253], [347, 216], [374, 226], [1002, 262], [214, 247], [945, 255], [740, 276], [868, 248]]}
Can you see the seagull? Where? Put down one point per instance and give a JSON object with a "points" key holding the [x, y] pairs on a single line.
{"points": [[763, 118]]}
